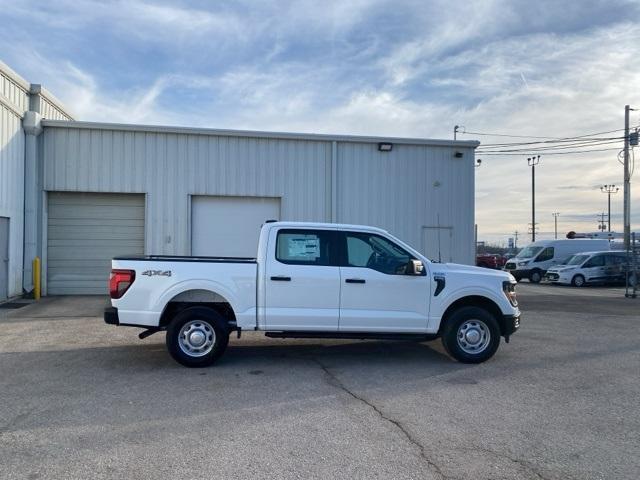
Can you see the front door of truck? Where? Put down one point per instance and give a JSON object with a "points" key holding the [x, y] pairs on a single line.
{"points": [[376, 293], [302, 280]]}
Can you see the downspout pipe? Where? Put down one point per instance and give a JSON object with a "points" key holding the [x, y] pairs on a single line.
{"points": [[32, 126]]}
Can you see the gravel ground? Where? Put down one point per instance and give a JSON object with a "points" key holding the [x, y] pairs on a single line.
{"points": [[80, 399]]}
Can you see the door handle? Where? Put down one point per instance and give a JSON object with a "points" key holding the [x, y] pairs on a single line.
{"points": [[281, 279], [355, 280]]}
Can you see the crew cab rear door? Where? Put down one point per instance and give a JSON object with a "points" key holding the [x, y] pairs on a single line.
{"points": [[302, 281], [376, 294]]}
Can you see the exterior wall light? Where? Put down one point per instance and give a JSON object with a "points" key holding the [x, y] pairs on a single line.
{"points": [[385, 147]]}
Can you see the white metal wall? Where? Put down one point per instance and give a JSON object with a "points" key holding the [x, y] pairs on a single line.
{"points": [[12, 176], [170, 167], [403, 191], [49, 110], [409, 188], [16, 97]]}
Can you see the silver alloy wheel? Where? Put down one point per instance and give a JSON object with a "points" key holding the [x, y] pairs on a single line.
{"points": [[196, 338], [578, 281], [473, 336]]}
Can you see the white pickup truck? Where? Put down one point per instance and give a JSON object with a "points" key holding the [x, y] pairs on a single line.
{"points": [[314, 280]]}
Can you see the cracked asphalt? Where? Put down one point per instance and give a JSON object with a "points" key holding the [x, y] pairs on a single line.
{"points": [[80, 399]]}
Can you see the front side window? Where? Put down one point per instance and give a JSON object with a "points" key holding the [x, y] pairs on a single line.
{"points": [[597, 261], [373, 251], [304, 247], [546, 254]]}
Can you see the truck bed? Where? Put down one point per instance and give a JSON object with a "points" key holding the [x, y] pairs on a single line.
{"points": [[179, 258]]}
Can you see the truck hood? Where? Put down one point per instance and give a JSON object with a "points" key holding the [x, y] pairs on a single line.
{"points": [[468, 269]]}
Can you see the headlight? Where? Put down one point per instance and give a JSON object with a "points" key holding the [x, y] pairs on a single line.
{"points": [[509, 290], [522, 264]]}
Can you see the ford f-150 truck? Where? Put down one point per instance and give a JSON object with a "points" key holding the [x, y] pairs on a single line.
{"points": [[314, 280]]}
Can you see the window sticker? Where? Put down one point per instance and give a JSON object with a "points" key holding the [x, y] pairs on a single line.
{"points": [[305, 247]]}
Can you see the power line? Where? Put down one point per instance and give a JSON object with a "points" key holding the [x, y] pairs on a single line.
{"points": [[497, 152], [533, 136], [562, 141], [549, 147]]}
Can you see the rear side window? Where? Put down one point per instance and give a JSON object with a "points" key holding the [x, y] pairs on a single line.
{"points": [[616, 259], [305, 247], [546, 254]]}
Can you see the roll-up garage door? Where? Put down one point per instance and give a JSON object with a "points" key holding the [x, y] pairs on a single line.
{"points": [[84, 232], [229, 226]]}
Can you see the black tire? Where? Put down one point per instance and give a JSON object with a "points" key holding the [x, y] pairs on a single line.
{"points": [[578, 281], [203, 321], [535, 276], [467, 315]]}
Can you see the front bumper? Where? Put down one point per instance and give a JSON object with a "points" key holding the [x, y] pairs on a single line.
{"points": [[510, 324], [111, 316], [519, 274], [555, 277]]}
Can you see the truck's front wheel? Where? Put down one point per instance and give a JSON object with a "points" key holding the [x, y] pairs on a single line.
{"points": [[197, 337], [471, 335]]}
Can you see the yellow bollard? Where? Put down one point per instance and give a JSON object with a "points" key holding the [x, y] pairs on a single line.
{"points": [[36, 278]]}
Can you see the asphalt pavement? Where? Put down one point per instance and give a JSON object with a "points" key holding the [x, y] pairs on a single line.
{"points": [[80, 399]]}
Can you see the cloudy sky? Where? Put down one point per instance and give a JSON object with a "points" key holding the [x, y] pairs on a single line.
{"points": [[397, 68]]}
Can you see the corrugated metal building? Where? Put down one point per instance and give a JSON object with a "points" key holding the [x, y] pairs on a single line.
{"points": [[17, 97], [110, 189]]}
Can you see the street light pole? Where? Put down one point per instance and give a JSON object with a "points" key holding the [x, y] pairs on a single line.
{"points": [[609, 189], [532, 162], [555, 221]]}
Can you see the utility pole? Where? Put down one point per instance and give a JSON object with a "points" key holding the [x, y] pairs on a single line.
{"points": [[627, 184], [455, 131], [532, 162], [602, 225], [515, 240], [555, 221], [609, 189]]}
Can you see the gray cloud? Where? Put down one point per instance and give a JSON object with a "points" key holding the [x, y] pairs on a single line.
{"points": [[385, 68]]}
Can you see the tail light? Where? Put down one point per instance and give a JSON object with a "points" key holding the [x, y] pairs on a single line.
{"points": [[120, 281]]}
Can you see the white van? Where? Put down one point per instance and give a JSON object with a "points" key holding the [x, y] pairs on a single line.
{"points": [[593, 267], [536, 258]]}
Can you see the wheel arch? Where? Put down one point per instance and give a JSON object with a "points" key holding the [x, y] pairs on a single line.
{"points": [[201, 297], [474, 301]]}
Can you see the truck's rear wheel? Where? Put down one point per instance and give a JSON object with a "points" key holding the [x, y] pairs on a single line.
{"points": [[197, 336], [471, 335]]}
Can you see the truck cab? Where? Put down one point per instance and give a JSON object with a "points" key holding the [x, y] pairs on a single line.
{"points": [[315, 280]]}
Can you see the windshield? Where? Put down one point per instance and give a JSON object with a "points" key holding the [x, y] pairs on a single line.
{"points": [[529, 252], [577, 259]]}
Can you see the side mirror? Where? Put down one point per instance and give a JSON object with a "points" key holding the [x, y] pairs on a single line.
{"points": [[414, 267]]}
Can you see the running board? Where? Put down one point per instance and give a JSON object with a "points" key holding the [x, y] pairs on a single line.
{"points": [[416, 337]]}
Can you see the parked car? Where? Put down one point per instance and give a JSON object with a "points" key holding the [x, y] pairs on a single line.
{"points": [[535, 259], [312, 280], [490, 260], [487, 260], [593, 267]]}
